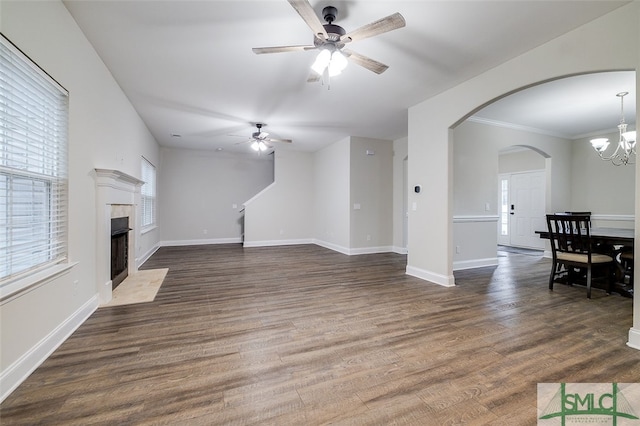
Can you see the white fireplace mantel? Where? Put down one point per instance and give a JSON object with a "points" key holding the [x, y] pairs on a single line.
{"points": [[114, 188]]}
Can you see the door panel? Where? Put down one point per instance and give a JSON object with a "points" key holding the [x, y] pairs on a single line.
{"points": [[528, 209]]}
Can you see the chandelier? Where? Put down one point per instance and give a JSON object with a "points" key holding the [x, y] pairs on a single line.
{"points": [[626, 147]]}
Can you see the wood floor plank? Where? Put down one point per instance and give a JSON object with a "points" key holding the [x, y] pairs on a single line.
{"points": [[304, 335]]}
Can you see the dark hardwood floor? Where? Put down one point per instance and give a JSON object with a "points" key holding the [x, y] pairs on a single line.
{"points": [[301, 335]]}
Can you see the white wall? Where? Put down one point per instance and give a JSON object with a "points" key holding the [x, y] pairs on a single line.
{"points": [[521, 161], [611, 42], [283, 212], [331, 196], [371, 188], [104, 132], [400, 194], [476, 153], [603, 44], [198, 191], [599, 186]]}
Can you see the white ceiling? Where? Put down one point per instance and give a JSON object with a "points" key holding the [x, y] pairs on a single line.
{"points": [[188, 69]]}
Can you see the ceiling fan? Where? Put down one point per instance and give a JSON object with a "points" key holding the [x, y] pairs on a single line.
{"points": [[260, 141], [331, 39]]}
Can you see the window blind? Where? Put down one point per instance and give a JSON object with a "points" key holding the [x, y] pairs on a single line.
{"points": [[33, 166], [148, 193]]}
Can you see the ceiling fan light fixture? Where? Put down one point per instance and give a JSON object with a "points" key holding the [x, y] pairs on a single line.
{"points": [[337, 64], [322, 61], [259, 146], [334, 61]]}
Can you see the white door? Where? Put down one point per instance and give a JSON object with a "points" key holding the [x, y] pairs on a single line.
{"points": [[527, 209], [504, 234]]}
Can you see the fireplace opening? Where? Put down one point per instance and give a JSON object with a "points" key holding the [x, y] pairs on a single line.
{"points": [[119, 250]]}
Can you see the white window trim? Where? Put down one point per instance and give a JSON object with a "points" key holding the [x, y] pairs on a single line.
{"points": [[20, 282], [145, 228]]}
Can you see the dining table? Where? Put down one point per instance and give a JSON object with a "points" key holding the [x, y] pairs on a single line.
{"points": [[614, 242]]}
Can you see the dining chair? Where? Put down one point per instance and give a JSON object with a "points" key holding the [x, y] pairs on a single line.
{"points": [[571, 247]]}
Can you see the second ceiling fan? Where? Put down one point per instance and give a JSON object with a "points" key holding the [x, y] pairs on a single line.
{"points": [[260, 141], [331, 40]]}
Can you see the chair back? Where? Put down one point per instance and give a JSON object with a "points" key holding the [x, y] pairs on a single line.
{"points": [[569, 233]]}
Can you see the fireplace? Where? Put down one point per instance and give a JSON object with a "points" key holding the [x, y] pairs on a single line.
{"points": [[119, 250], [118, 197]]}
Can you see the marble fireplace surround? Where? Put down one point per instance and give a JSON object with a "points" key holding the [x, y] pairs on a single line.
{"points": [[117, 195]]}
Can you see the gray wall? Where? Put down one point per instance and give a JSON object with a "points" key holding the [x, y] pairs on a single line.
{"points": [[104, 132], [371, 187], [201, 194]]}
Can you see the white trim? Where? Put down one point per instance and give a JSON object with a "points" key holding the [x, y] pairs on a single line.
{"points": [[614, 217], [634, 338], [258, 195], [272, 243], [475, 219], [19, 370], [175, 243], [141, 260], [443, 280], [30, 282], [506, 125], [399, 250], [147, 229], [370, 250], [475, 263], [331, 246]]}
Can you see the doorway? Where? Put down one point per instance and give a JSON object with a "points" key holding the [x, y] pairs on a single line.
{"points": [[522, 209]]}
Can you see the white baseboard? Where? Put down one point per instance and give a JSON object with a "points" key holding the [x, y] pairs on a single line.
{"points": [[271, 243], [17, 372], [399, 250], [475, 263], [370, 250], [634, 338], [331, 246], [140, 261], [174, 243], [443, 280]]}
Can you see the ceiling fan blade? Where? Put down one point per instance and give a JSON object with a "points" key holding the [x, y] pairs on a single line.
{"points": [[279, 140], [366, 62], [281, 49], [306, 12], [381, 26]]}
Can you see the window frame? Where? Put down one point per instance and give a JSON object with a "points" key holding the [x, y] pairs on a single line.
{"points": [[148, 197], [34, 116]]}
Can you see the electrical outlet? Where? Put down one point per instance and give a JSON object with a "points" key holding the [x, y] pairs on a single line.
{"points": [[457, 249], [204, 231], [368, 237]]}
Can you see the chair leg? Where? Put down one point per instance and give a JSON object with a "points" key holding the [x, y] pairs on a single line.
{"points": [[589, 282], [553, 275]]}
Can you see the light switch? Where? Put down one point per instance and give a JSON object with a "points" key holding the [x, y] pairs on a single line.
{"points": [[356, 206], [414, 206]]}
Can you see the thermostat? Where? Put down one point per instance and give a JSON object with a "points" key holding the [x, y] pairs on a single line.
{"points": [[417, 189]]}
